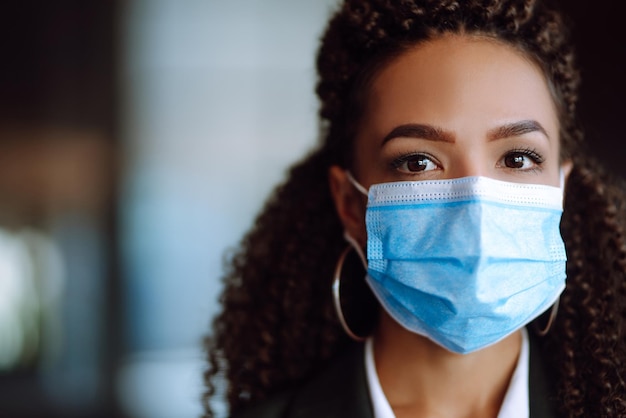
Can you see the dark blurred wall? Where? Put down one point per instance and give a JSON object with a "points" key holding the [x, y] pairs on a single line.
{"points": [[58, 145], [601, 42], [58, 63]]}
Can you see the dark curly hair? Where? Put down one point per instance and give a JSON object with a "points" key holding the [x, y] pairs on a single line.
{"points": [[278, 323]]}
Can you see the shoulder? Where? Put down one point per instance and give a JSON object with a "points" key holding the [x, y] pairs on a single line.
{"points": [[339, 390]]}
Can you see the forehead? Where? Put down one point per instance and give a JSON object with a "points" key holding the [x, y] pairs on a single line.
{"points": [[456, 77]]}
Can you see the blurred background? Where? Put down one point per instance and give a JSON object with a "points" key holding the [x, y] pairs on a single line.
{"points": [[138, 139]]}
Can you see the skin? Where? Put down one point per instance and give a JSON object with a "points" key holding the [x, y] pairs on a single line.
{"points": [[453, 107]]}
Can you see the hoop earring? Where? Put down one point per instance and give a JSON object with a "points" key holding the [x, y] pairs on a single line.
{"points": [[543, 332], [336, 298]]}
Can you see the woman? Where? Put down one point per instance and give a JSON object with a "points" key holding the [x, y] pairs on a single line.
{"points": [[457, 119]]}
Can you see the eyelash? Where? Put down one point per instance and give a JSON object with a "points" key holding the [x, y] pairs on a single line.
{"points": [[528, 152], [531, 153], [403, 158]]}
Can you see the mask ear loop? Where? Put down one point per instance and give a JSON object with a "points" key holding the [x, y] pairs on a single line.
{"points": [[543, 332], [555, 307], [353, 245], [356, 184]]}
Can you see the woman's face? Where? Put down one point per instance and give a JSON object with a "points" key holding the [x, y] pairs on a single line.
{"points": [[454, 107]]}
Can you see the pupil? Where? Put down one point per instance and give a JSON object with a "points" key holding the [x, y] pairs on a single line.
{"points": [[515, 161], [417, 165]]}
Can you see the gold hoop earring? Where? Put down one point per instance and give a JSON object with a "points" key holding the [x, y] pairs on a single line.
{"points": [[337, 299], [543, 332]]}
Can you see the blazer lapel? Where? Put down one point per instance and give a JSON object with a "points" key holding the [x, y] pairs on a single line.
{"points": [[541, 397]]}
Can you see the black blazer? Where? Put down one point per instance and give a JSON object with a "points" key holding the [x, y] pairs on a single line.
{"points": [[340, 391]]}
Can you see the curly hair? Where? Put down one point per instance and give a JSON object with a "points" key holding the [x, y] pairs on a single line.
{"points": [[278, 323]]}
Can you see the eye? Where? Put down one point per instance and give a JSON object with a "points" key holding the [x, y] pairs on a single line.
{"points": [[415, 163], [521, 159]]}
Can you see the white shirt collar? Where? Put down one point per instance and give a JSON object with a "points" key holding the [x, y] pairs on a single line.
{"points": [[515, 404], [381, 406]]}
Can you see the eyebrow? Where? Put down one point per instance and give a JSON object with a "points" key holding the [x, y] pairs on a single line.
{"points": [[519, 128], [422, 131], [432, 133]]}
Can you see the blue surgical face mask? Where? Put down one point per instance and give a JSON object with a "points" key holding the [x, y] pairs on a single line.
{"points": [[464, 262]]}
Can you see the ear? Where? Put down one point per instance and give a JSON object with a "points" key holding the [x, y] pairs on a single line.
{"points": [[349, 203]]}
